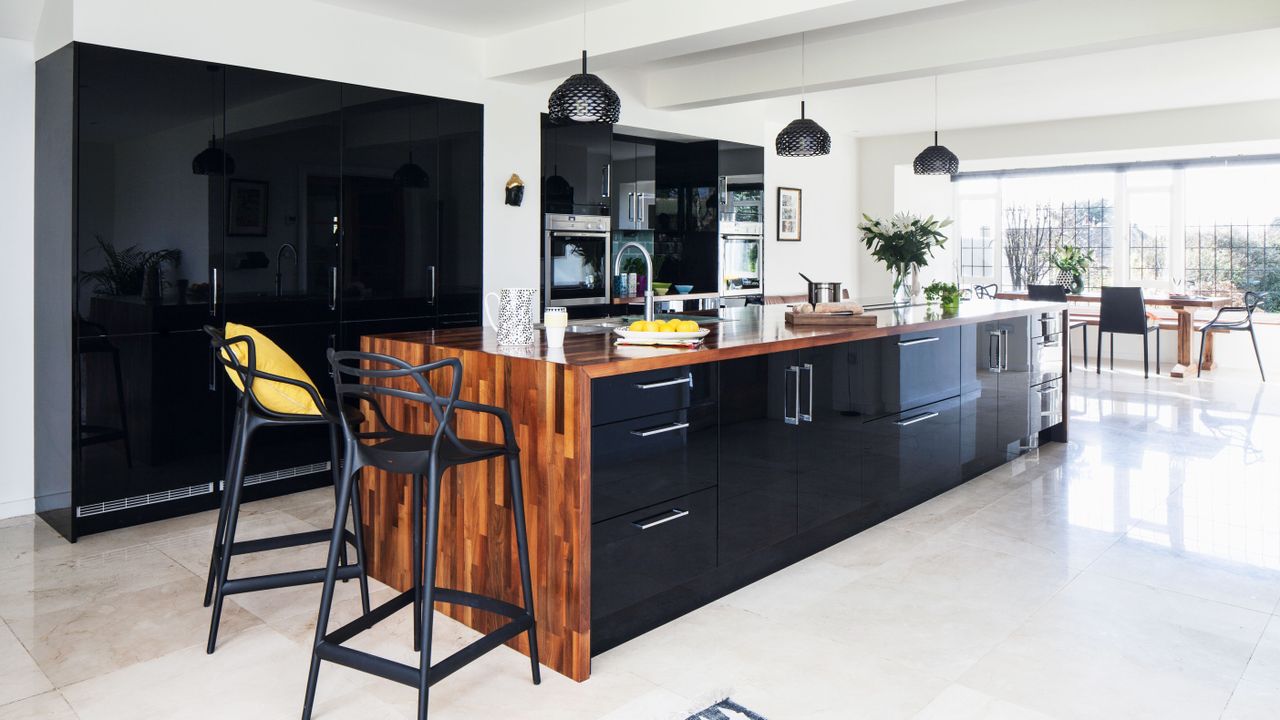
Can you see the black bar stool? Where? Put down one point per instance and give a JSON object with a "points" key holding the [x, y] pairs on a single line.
{"points": [[425, 458], [252, 416]]}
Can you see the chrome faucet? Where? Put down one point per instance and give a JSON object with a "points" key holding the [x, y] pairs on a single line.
{"points": [[648, 278], [280, 270]]}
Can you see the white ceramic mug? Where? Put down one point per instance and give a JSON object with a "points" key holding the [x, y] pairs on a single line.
{"points": [[515, 315]]}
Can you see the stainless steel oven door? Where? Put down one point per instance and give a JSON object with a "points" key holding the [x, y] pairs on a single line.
{"points": [[741, 264], [576, 268]]}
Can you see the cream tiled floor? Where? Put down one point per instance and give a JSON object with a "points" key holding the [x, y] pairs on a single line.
{"points": [[1134, 573]]}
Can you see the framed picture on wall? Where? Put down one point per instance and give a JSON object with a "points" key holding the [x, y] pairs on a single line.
{"points": [[246, 207], [789, 214]]}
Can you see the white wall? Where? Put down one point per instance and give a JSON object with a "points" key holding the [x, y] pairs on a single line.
{"points": [[17, 147]]}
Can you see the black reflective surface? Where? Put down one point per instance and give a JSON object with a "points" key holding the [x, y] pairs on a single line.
{"points": [[914, 455], [653, 458], [831, 483]]}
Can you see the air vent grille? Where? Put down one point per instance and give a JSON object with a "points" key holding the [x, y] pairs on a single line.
{"points": [[137, 501], [284, 474]]}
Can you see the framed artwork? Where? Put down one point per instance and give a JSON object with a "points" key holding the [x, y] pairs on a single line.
{"points": [[246, 207], [789, 214]]}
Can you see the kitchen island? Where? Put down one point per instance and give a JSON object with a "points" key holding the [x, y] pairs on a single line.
{"points": [[657, 480]]}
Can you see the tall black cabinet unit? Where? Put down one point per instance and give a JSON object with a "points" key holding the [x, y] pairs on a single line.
{"points": [[175, 193]]}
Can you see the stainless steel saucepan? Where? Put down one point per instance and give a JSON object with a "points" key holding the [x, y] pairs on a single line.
{"points": [[822, 292]]}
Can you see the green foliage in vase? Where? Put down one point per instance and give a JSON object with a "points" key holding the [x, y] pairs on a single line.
{"points": [[1072, 259], [125, 271], [948, 294], [903, 242]]}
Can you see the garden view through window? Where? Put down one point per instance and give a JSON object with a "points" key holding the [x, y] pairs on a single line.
{"points": [[1197, 228]]}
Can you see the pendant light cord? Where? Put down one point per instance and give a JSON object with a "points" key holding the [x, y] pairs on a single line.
{"points": [[935, 109], [584, 37], [802, 75]]}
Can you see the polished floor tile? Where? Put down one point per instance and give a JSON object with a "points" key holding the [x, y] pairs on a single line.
{"points": [[1132, 573]]}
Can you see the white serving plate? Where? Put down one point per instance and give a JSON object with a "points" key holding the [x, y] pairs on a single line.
{"points": [[635, 335]]}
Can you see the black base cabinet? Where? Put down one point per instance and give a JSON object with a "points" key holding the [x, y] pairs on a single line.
{"points": [[283, 202], [813, 447]]}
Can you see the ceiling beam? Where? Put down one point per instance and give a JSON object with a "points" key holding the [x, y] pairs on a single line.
{"points": [[985, 37], [636, 32]]}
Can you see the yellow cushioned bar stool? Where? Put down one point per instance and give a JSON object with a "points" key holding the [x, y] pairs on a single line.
{"points": [[274, 392]]}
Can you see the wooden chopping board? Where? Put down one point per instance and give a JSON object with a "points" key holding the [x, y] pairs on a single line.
{"points": [[794, 318]]}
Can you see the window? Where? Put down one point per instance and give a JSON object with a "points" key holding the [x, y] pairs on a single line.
{"points": [[1232, 232], [977, 230], [1044, 211]]}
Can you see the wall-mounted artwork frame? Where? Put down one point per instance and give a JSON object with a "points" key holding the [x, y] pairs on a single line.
{"points": [[789, 214], [247, 208]]}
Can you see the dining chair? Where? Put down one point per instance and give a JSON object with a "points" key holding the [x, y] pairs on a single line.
{"points": [[1057, 293], [986, 292], [1235, 318], [1123, 311]]}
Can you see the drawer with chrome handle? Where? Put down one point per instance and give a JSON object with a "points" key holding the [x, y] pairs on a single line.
{"points": [[623, 397], [644, 460], [1045, 405], [662, 517]]}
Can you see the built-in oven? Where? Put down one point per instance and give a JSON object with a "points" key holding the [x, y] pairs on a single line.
{"points": [[575, 260], [740, 264], [741, 200]]}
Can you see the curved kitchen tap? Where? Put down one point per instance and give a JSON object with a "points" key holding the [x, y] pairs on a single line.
{"points": [[279, 270], [648, 284]]}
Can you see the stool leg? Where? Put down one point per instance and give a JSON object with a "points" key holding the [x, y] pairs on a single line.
{"points": [[220, 530], [336, 541], [336, 473], [1256, 352], [361, 560], [522, 547], [235, 489], [428, 588], [417, 561], [1204, 337]]}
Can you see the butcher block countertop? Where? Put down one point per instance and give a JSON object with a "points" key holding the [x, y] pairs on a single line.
{"points": [[742, 332]]}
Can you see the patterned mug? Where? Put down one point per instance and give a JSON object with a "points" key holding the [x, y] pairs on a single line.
{"points": [[515, 315]]}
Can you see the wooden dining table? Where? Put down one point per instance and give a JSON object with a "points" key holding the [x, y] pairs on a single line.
{"points": [[1183, 309]]}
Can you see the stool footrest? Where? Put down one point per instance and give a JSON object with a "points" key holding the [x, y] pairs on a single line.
{"points": [[280, 542], [407, 674], [285, 579], [373, 617]]}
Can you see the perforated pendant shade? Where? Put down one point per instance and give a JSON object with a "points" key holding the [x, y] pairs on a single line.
{"points": [[584, 98], [213, 161], [936, 160], [803, 138]]}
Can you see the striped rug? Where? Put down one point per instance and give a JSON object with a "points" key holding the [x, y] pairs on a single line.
{"points": [[726, 709]]}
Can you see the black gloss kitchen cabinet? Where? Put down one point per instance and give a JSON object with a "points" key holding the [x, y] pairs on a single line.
{"points": [[995, 392], [575, 167], [175, 193]]}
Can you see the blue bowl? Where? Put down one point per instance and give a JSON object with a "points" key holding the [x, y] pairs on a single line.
{"points": [[683, 289]]}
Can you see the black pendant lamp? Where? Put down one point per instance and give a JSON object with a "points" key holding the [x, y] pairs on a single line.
{"points": [[212, 160], [936, 159], [584, 98], [410, 175], [803, 137]]}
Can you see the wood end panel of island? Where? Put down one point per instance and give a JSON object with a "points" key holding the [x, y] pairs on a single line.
{"points": [[477, 552]]}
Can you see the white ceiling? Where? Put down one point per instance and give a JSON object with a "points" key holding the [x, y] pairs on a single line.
{"points": [[480, 18]]}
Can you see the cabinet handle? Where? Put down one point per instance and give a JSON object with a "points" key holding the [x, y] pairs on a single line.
{"points": [[640, 209], [213, 293], [664, 383], [724, 191], [1004, 350], [333, 286], [661, 429], [664, 517], [993, 358], [433, 282], [791, 419], [631, 206], [606, 176], [807, 416], [918, 418], [917, 341], [1046, 391]]}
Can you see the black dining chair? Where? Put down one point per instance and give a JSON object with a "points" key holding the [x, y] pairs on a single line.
{"points": [[986, 292], [1057, 293], [1124, 312], [1235, 318]]}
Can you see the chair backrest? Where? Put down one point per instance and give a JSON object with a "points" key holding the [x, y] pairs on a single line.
{"points": [[1047, 293], [1122, 310], [367, 378], [986, 291], [1253, 299], [248, 372]]}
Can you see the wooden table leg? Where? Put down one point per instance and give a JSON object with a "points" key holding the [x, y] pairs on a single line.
{"points": [[1208, 363], [1184, 367]]}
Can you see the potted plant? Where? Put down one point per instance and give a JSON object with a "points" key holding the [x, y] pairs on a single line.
{"points": [[130, 271], [904, 243], [946, 294], [1072, 263]]}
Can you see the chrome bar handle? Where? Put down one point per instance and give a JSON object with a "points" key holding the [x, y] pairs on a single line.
{"points": [[806, 416], [664, 383], [664, 517], [333, 287], [631, 206], [993, 359], [661, 429], [917, 341], [1004, 350], [213, 293], [606, 178], [918, 418], [433, 283], [791, 419]]}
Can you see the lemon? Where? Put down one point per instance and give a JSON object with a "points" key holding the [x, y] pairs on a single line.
{"points": [[637, 326], [688, 326], [652, 326], [668, 328]]}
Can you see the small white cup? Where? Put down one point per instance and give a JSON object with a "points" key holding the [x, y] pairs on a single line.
{"points": [[555, 337], [554, 317]]}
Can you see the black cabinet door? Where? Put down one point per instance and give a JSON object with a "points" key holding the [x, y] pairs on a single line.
{"points": [[284, 200], [1015, 383], [576, 171], [650, 459], [461, 274], [148, 420], [142, 212], [759, 406], [911, 370], [390, 216], [914, 455], [830, 438], [980, 403]]}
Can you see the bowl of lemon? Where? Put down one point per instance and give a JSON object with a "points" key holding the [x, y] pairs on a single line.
{"points": [[663, 329]]}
